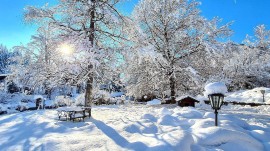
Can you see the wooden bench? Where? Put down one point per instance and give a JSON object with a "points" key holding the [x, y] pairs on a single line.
{"points": [[78, 115], [73, 113], [87, 111], [63, 114]]}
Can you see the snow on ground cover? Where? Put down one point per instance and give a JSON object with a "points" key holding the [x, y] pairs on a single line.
{"points": [[116, 94], [138, 127], [249, 96], [154, 102]]}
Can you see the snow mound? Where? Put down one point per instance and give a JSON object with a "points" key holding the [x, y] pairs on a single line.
{"points": [[203, 123], [216, 87], [169, 120], [235, 122], [150, 129], [209, 115], [154, 102], [216, 136], [164, 111], [188, 112], [149, 117], [133, 128], [263, 136], [179, 139]]}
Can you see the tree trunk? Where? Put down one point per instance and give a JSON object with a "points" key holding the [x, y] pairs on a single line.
{"points": [[172, 87], [89, 88], [89, 82]]}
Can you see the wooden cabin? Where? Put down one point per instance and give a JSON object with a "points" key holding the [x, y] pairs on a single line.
{"points": [[186, 101]]}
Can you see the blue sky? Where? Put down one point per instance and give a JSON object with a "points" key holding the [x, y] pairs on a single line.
{"points": [[246, 14]]}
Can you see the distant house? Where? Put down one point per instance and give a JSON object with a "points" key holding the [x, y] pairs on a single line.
{"points": [[186, 101]]}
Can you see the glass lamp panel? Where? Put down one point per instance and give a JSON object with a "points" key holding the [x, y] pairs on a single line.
{"points": [[216, 107], [221, 101], [211, 100]]}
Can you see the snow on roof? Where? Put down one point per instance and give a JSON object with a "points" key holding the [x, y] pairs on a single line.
{"points": [[5, 75], [183, 97], [216, 87]]}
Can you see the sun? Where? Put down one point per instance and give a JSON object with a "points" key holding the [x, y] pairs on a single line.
{"points": [[66, 49]]}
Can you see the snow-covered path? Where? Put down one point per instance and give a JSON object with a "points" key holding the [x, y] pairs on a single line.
{"points": [[138, 127]]}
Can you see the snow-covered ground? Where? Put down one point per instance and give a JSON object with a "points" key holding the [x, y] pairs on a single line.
{"points": [[249, 96], [140, 127]]}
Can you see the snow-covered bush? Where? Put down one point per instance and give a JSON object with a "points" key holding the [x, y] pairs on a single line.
{"points": [[80, 100], [101, 94], [3, 109], [63, 101]]}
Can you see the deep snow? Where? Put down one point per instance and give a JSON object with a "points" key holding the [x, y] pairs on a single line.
{"points": [[139, 127], [247, 96]]}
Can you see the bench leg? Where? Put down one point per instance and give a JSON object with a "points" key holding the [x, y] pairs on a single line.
{"points": [[90, 113]]}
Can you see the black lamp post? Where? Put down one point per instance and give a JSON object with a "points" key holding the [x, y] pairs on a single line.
{"points": [[216, 101], [263, 92]]}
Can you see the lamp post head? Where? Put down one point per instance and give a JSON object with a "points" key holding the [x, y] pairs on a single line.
{"points": [[216, 100], [262, 91]]}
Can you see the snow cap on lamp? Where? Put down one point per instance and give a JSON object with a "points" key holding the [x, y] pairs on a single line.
{"points": [[215, 87]]}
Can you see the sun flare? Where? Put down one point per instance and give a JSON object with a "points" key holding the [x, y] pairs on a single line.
{"points": [[66, 49]]}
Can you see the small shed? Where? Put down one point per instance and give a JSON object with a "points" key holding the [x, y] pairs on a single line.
{"points": [[186, 101], [39, 100], [3, 81]]}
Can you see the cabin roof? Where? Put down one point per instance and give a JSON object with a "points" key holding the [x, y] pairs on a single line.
{"points": [[3, 76], [185, 97]]}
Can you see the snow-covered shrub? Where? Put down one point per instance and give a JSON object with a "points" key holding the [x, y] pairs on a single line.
{"points": [[100, 93], [80, 100], [101, 96], [63, 101], [7, 98], [2, 109], [16, 101]]}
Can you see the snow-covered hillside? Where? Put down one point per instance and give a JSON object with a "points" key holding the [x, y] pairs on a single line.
{"points": [[138, 127], [249, 96]]}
